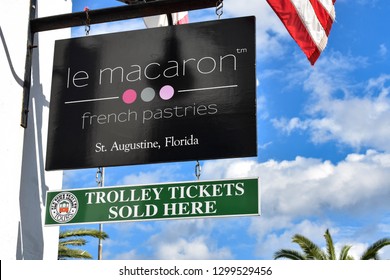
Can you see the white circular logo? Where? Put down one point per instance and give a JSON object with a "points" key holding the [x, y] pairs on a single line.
{"points": [[64, 207]]}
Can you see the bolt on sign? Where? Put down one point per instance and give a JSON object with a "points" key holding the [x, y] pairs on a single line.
{"points": [[198, 199], [175, 93]]}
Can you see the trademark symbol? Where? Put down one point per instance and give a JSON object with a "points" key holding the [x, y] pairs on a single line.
{"points": [[243, 50]]}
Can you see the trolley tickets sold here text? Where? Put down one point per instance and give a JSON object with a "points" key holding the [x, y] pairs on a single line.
{"points": [[176, 193]]}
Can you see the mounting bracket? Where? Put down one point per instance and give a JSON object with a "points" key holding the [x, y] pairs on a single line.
{"points": [[134, 9]]}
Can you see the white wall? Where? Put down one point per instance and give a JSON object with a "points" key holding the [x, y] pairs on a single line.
{"points": [[23, 181]]}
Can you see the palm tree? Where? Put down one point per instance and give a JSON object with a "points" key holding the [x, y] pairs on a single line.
{"points": [[313, 252], [73, 238]]}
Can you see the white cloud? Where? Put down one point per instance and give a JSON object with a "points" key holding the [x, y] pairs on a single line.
{"points": [[341, 110], [308, 186], [187, 239], [264, 146], [196, 249], [131, 255], [290, 125], [262, 108], [268, 244], [383, 50], [356, 121], [270, 32]]}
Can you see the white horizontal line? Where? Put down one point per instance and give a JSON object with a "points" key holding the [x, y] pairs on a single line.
{"points": [[91, 100], [208, 88]]}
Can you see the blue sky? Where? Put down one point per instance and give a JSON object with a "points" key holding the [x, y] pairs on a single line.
{"points": [[323, 146]]}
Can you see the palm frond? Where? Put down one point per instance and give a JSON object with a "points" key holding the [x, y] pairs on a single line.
{"points": [[66, 253], [289, 254], [329, 246], [371, 252], [344, 253], [73, 242], [311, 250], [84, 232], [72, 238]]}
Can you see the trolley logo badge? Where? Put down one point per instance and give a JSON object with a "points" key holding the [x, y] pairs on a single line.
{"points": [[64, 207]]}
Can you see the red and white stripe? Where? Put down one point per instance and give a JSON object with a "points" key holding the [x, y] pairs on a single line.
{"points": [[162, 20], [308, 22], [180, 18]]}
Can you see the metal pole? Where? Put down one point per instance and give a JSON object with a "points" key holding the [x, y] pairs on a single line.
{"points": [[100, 184], [28, 64], [100, 248]]}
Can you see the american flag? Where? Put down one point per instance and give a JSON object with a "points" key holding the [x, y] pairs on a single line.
{"points": [[308, 22]]}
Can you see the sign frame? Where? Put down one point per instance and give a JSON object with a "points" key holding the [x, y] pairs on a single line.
{"points": [[177, 102], [234, 188]]}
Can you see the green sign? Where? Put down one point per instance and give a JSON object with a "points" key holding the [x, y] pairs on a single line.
{"points": [[198, 199]]}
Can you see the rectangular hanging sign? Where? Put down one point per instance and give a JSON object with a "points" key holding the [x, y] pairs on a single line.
{"points": [[198, 199], [175, 93]]}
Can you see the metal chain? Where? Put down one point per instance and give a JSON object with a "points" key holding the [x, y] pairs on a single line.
{"points": [[87, 21], [219, 8], [198, 170]]}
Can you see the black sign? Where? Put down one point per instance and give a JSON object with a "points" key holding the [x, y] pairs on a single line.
{"points": [[174, 93]]}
